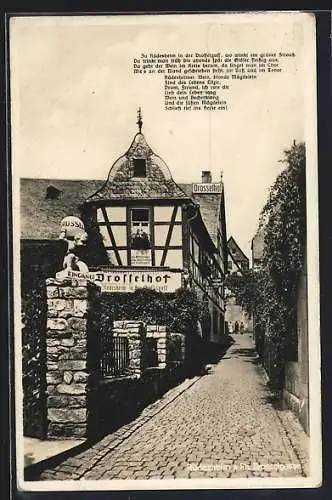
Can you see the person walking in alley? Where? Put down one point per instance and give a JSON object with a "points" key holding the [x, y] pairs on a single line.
{"points": [[236, 329], [241, 328], [230, 328]]}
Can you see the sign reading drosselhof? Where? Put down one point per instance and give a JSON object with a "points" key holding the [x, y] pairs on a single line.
{"points": [[207, 187], [128, 281]]}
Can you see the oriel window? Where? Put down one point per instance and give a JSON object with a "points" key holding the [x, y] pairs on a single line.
{"points": [[139, 165], [140, 229]]}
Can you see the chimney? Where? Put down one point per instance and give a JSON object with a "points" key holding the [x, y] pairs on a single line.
{"points": [[206, 176]]}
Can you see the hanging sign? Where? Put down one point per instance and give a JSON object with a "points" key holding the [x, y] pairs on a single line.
{"points": [[207, 188]]}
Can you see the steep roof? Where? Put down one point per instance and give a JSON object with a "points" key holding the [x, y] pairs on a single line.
{"points": [[41, 215], [235, 251], [236, 264], [121, 184], [257, 244], [209, 205]]}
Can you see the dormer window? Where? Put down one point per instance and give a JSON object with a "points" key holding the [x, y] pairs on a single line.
{"points": [[139, 167]]}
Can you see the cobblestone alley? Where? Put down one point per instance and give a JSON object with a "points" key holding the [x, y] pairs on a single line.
{"points": [[221, 424]]}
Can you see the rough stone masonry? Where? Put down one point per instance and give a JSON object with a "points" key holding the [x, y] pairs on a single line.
{"points": [[67, 374]]}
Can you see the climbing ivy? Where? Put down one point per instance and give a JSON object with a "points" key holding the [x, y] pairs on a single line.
{"points": [[271, 293], [33, 319]]}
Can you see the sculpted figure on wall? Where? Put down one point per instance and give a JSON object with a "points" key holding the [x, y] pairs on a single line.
{"points": [[72, 230]]}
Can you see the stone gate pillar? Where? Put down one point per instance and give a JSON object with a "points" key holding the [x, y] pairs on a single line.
{"points": [[135, 332], [70, 307], [163, 336]]}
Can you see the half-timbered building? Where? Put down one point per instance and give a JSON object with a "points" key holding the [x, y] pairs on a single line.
{"points": [[237, 260], [143, 228], [139, 211]]}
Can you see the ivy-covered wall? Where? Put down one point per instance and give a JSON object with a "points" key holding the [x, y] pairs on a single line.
{"points": [[271, 293], [39, 260]]}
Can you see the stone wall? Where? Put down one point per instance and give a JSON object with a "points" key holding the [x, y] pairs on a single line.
{"points": [[162, 334], [296, 382], [39, 259], [80, 402], [119, 399], [135, 332], [70, 309]]}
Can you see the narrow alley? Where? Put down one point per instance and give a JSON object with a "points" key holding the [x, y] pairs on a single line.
{"points": [[222, 424]]}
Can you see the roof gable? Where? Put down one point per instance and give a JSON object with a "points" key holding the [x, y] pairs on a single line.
{"points": [[122, 184], [235, 251], [236, 264], [41, 213]]}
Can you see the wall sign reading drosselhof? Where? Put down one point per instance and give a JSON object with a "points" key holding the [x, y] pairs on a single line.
{"points": [[167, 313], [212, 188], [124, 281]]}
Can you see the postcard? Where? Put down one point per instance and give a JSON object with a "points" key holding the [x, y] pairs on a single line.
{"points": [[165, 247]]}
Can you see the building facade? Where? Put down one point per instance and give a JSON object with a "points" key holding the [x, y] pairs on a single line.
{"points": [[144, 230], [296, 376], [205, 249], [237, 261]]}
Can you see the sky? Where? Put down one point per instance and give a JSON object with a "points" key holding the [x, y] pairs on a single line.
{"points": [[75, 100]]}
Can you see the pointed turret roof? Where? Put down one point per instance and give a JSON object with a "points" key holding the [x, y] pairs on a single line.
{"points": [[121, 183]]}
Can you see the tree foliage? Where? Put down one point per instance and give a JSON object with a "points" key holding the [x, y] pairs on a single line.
{"points": [[271, 293], [244, 288]]}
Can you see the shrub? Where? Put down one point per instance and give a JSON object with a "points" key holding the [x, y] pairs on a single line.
{"points": [[33, 354], [179, 311]]}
